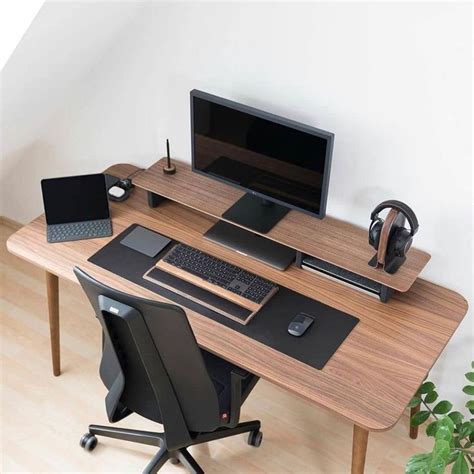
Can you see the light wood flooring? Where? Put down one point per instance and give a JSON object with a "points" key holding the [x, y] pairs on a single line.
{"points": [[43, 417]]}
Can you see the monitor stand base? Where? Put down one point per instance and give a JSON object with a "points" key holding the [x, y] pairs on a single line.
{"points": [[251, 245], [255, 213]]}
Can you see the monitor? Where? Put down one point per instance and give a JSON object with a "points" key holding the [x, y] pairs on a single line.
{"points": [[272, 157], [279, 163]]}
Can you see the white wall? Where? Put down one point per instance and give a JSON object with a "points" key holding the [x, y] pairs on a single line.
{"points": [[392, 81], [55, 57]]}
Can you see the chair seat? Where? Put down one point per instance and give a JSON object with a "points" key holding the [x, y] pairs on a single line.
{"points": [[220, 372]]}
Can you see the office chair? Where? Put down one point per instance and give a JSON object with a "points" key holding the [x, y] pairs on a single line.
{"points": [[152, 365]]}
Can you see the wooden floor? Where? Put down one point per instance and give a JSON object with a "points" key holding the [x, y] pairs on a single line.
{"points": [[43, 417]]}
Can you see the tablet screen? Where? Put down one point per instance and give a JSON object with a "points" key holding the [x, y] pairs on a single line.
{"points": [[75, 199]]}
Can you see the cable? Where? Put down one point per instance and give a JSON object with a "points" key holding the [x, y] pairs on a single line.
{"points": [[134, 173]]}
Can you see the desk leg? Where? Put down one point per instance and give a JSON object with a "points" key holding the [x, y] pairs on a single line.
{"points": [[53, 310], [359, 449]]}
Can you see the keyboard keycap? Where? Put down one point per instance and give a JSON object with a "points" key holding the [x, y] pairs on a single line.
{"points": [[79, 230]]}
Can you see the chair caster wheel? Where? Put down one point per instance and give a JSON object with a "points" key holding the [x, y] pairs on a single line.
{"points": [[255, 438], [88, 442]]}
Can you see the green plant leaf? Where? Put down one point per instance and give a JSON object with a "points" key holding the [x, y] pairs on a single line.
{"points": [[427, 387], [432, 428], [437, 465], [446, 421], [470, 406], [418, 464], [442, 407], [419, 457], [419, 418], [418, 468], [453, 455], [430, 397], [468, 445], [441, 449], [472, 364], [414, 402], [457, 417], [460, 466], [466, 429], [468, 389], [469, 376], [443, 432]]}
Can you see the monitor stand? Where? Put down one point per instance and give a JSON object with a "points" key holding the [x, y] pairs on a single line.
{"points": [[255, 213], [247, 243]]}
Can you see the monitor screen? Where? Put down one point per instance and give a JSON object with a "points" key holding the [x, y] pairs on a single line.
{"points": [[276, 158], [75, 199]]}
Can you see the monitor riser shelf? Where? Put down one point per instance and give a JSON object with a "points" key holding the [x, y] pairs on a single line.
{"points": [[335, 241]]}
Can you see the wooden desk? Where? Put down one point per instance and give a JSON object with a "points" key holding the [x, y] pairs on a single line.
{"points": [[369, 380]]}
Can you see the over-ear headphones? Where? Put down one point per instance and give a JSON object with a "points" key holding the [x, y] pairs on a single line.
{"points": [[389, 236]]}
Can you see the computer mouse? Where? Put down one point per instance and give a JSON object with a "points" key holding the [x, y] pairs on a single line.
{"points": [[300, 324]]}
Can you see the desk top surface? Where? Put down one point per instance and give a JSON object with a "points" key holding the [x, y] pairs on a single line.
{"points": [[370, 378]]}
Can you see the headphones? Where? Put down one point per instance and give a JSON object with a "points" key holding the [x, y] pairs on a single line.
{"points": [[390, 237]]}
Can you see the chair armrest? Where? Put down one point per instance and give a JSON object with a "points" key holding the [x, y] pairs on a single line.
{"points": [[236, 377], [242, 373], [237, 396]]}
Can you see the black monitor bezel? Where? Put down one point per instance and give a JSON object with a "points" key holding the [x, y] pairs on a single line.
{"points": [[277, 119]]}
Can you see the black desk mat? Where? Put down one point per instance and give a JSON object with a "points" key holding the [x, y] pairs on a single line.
{"points": [[269, 326]]}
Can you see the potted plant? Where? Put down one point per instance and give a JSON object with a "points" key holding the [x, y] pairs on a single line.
{"points": [[452, 433]]}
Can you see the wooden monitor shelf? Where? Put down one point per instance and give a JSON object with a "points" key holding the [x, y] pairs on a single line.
{"points": [[335, 241]]}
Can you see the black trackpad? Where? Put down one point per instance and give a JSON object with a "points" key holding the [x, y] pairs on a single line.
{"points": [[145, 241]]}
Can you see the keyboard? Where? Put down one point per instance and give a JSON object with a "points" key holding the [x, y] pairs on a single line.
{"points": [[220, 274], [79, 230]]}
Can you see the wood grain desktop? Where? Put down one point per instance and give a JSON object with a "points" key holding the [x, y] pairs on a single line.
{"points": [[373, 374]]}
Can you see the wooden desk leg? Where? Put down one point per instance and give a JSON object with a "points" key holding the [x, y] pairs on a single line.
{"points": [[359, 449], [414, 429], [52, 286]]}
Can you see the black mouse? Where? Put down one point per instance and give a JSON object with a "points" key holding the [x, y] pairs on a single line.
{"points": [[300, 324]]}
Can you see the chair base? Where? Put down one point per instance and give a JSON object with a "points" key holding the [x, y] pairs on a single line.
{"points": [[180, 455]]}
